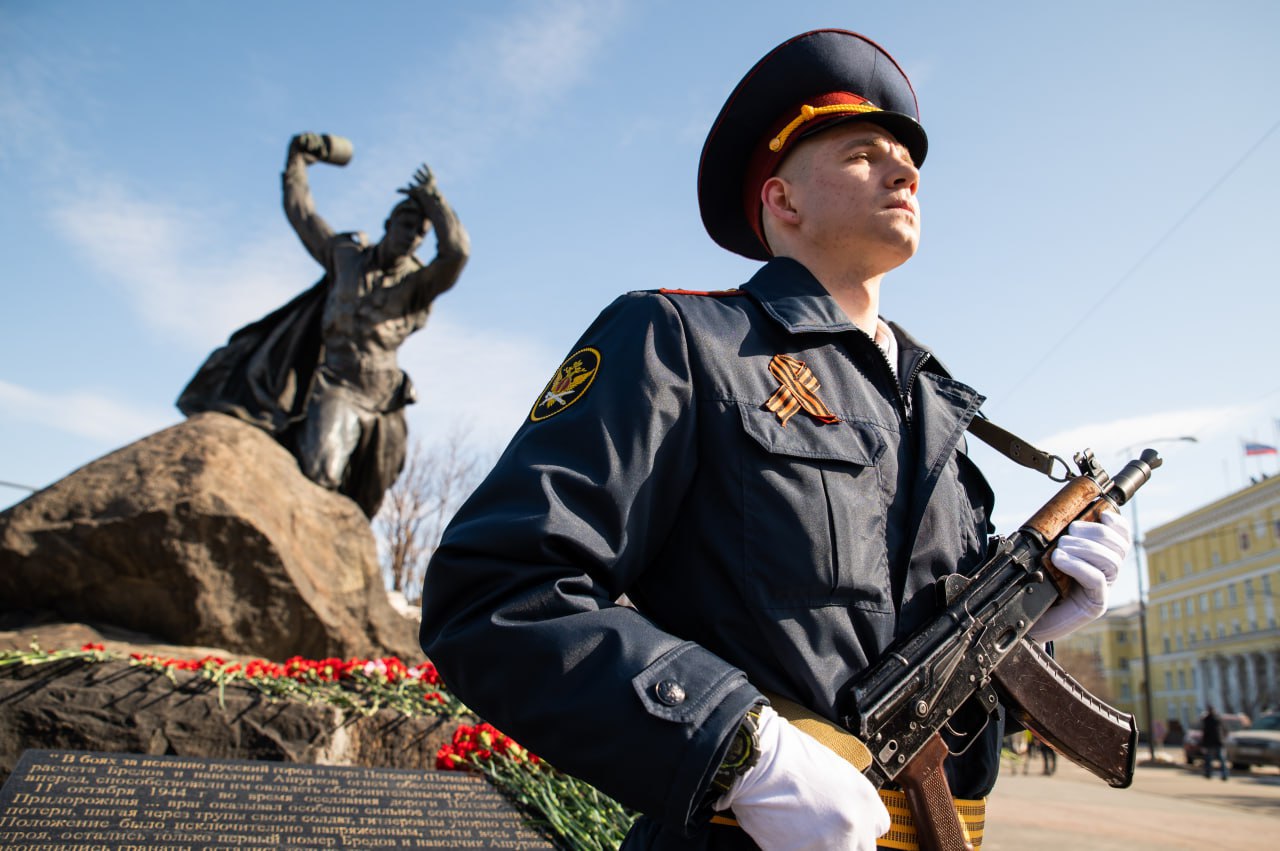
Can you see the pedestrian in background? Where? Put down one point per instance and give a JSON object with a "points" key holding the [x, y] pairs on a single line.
{"points": [[1211, 742], [1048, 755]]}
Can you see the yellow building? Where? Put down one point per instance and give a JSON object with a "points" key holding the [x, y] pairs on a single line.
{"points": [[1212, 629]]}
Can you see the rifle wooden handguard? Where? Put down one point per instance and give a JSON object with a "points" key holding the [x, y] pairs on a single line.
{"points": [[1079, 499]]}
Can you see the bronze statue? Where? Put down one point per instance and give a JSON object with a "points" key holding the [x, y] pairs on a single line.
{"points": [[321, 373]]}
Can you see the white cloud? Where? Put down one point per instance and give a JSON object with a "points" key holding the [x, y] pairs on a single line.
{"points": [[26, 105], [530, 60], [1109, 438], [167, 259], [548, 51], [84, 414]]}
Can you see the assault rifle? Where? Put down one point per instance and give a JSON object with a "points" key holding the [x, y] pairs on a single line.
{"points": [[954, 671]]}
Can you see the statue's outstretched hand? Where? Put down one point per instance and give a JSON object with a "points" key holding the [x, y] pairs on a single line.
{"points": [[423, 189], [425, 179]]}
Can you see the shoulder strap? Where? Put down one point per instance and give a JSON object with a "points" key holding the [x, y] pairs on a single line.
{"points": [[1013, 447]]}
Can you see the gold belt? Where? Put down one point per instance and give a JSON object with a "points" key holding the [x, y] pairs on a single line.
{"points": [[902, 830]]}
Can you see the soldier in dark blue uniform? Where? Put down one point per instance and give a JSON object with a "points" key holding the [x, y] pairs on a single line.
{"points": [[773, 475]]}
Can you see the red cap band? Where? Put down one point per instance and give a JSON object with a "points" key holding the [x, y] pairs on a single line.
{"points": [[782, 137]]}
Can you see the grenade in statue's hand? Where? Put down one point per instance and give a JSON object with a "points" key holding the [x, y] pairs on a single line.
{"points": [[336, 150]]}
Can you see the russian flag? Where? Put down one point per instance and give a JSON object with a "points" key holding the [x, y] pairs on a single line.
{"points": [[1259, 449]]}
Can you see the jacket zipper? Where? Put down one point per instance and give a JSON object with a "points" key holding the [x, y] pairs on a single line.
{"points": [[911, 380], [903, 394]]}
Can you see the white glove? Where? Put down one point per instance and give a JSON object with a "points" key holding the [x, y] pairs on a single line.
{"points": [[1091, 554], [800, 796]]}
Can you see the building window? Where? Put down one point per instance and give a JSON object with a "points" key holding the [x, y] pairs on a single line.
{"points": [[1248, 589], [1205, 633], [1204, 603], [1244, 539], [1168, 680], [1191, 607], [1120, 637], [1217, 559], [1164, 611], [1178, 640], [1124, 663], [1124, 691], [1191, 637], [1232, 596], [1166, 644], [1182, 679], [1266, 585], [1222, 630], [1195, 678], [1275, 527], [1235, 627]]}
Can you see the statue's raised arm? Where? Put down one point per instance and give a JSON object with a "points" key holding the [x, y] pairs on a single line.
{"points": [[453, 245], [299, 207]]}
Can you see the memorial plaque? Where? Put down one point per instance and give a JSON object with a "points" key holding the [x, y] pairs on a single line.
{"points": [[86, 800]]}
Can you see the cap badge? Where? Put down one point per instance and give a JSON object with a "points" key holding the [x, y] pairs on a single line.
{"points": [[569, 384], [797, 390], [808, 113]]}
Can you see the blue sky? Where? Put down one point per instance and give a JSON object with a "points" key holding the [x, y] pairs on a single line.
{"points": [[1099, 203]]}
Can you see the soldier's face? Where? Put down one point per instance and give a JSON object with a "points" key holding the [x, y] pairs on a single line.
{"points": [[405, 232], [854, 187]]}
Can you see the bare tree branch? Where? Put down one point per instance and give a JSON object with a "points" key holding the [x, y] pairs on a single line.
{"points": [[417, 508]]}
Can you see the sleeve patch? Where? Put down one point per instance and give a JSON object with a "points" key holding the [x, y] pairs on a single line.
{"points": [[570, 383]]}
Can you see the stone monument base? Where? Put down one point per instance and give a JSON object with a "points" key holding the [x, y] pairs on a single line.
{"points": [[81, 799]]}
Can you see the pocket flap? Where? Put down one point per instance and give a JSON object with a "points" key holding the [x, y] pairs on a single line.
{"points": [[850, 441]]}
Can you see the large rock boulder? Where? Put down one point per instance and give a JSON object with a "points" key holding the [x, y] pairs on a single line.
{"points": [[205, 533]]}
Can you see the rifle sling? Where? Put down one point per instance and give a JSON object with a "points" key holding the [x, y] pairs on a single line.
{"points": [[1011, 446]]}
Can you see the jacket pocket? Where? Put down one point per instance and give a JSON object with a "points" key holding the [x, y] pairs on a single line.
{"points": [[814, 511]]}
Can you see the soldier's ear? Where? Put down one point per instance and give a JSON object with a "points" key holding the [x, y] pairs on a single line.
{"points": [[777, 200]]}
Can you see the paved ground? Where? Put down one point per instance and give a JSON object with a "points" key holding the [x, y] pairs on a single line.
{"points": [[1168, 806]]}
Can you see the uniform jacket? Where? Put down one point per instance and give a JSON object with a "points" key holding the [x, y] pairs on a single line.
{"points": [[758, 556]]}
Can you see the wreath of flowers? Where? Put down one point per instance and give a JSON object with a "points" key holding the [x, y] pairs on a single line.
{"points": [[573, 813]]}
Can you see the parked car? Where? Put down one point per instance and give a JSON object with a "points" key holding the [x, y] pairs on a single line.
{"points": [[1191, 742], [1259, 745]]}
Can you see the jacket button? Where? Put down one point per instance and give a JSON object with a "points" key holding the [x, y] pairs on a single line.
{"points": [[669, 692]]}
